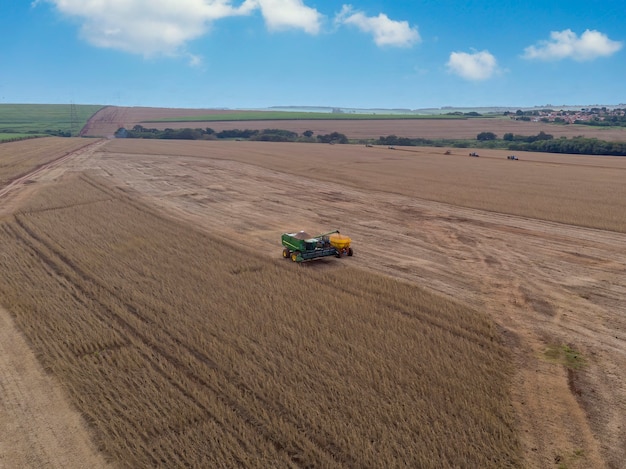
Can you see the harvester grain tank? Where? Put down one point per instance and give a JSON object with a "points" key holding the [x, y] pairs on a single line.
{"points": [[301, 246]]}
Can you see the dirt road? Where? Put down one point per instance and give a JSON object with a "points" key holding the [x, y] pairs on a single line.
{"points": [[548, 286], [38, 427]]}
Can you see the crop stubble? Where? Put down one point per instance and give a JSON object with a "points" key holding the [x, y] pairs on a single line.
{"points": [[570, 189], [19, 158], [182, 348]]}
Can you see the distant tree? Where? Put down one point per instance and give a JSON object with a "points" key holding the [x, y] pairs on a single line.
{"points": [[395, 140], [544, 136], [121, 133], [187, 134], [308, 133], [508, 137], [236, 133], [334, 137], [275, 135], [483, 136]]}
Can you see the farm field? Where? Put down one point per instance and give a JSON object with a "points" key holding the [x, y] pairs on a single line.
{"points": [[20, 158], [13, 136], [44, 118], [105, 122], [182, 349], [468, 249], [544, 186]]}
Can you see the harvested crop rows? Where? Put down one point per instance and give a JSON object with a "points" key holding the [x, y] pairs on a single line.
{"points": [[19, 158], [182, 348]]}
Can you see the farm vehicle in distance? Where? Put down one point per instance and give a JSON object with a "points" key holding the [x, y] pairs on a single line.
{"points": [[301, 246]]}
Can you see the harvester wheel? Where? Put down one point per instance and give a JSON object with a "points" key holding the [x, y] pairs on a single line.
{"points": [[286, 253], [294, 256], [350, 252]]}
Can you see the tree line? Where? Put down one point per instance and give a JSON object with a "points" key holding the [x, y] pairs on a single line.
{"points": [[576, 145], [266, 135], [542, 142]]}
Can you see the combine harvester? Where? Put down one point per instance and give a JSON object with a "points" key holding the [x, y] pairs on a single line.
{"points": [[303, 247]]}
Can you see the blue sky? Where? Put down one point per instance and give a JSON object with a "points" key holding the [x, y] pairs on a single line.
{"points": [[359, 54]]}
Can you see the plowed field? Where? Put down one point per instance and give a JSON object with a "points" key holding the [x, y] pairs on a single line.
{"points": [[146, 230]]}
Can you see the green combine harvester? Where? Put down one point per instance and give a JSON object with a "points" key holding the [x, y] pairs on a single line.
{"points": [[301, 246]]}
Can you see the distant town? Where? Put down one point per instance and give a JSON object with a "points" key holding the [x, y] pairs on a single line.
{"points": [[582, 116]]}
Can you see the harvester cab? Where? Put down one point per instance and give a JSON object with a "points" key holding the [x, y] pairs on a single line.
{"points": [[301, 246]]}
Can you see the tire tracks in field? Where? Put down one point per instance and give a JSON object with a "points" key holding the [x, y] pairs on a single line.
{"points": [[67, 270], [41, 169], [20, 187], [530, 275], [88, 286]]}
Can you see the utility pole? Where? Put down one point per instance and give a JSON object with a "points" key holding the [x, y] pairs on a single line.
{"points": [[73, 120]]}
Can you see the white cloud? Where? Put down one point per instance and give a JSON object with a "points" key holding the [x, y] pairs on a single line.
{"points": [[152, 27], [195, 60], [386, 32], [566, 44], [475, 66], [287, 14]]}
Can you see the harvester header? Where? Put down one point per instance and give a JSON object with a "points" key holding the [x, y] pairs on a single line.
{"points": [[301, 246]]}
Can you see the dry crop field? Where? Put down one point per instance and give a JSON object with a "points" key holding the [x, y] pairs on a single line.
{"points": [[182, 349], [542, 186], [20, 158], [481, 322]]}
